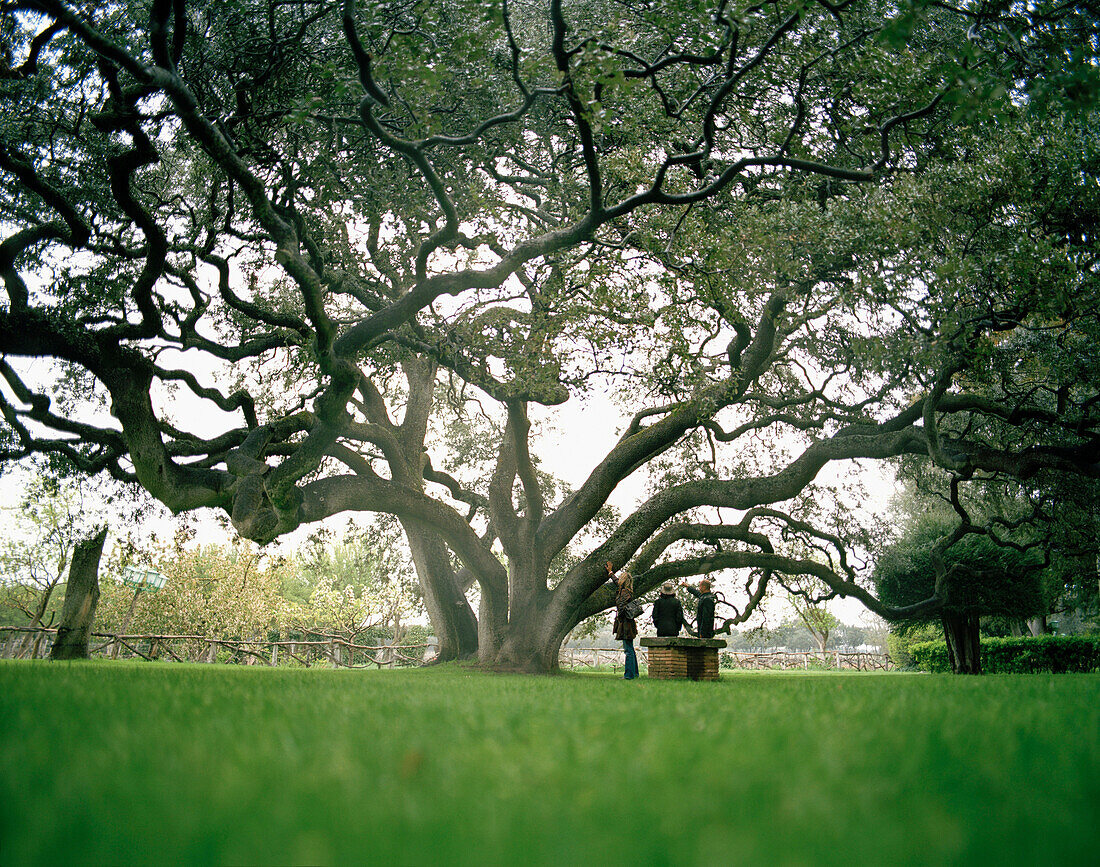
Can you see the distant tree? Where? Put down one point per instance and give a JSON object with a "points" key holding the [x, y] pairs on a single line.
{"points": [[752, 639], [790, 634], [807, 598], [586, 633], [818, 621], [875, 632]]}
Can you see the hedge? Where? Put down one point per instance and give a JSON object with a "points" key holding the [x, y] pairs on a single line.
{"points": [[1050, 653]]}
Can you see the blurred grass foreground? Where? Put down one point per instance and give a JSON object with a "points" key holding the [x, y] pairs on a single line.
{"points": [[125, 763]]}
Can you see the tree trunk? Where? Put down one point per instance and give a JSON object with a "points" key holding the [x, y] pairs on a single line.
{"points": [[528, 650], [1038, 625], [81, 598], [536, 647], [452, 618], [535, 630], [40, 616], [492, 627], [963, 642], [520, 625]]}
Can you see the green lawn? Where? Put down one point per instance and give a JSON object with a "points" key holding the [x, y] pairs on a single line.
{"points": [[119, 763]]}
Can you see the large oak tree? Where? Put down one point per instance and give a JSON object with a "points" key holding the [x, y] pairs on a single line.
{"points": [[380, 244]]}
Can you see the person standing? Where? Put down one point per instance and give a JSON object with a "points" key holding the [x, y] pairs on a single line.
{"points": [[668, 613], [625, 628], [704, 609]]}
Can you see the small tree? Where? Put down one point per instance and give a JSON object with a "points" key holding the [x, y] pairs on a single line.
{"points": [[807, 597], [978, 576], [366, 581], [818, 620]]}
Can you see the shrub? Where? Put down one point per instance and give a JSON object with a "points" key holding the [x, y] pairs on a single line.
{"points": [[1053, 653], [902, 637]]}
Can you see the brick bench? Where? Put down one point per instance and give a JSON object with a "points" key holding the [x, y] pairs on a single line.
{"points": [[683, 658]]}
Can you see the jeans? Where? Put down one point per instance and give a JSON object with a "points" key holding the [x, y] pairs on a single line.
{"points": [[631, 660]]}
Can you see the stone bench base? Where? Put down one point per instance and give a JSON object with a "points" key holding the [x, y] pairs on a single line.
{"points": [[683, 658]]}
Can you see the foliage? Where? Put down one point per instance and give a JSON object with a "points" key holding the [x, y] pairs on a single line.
{"points": [[1073, 577], [982, 576], [41, 534], [212, 590], [236, 590], [363, 582], [1045, 653], [475, 763], [900, 642], [360, 583]]}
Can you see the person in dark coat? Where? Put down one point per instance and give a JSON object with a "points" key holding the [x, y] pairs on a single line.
{"points": [[668, 613], [704, 609], [625, 628]]}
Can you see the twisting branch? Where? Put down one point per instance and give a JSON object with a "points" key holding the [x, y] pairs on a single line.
{"points": [[956, 462]]}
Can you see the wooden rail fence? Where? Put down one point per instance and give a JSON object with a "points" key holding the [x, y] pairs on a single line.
{"points": [[29, 642], [834, 659], [26, 642], [593, 657]]}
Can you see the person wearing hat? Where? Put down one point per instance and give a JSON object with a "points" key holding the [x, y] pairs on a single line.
{"points": [[668, 613], [704, 610]]}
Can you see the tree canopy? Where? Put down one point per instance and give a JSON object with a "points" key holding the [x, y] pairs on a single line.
{"points": [[289, 260], [986, 578]]}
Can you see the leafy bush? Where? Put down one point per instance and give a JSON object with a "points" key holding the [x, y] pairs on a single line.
{"points": [[902, 638], [931, 656], [1052, 653]]}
